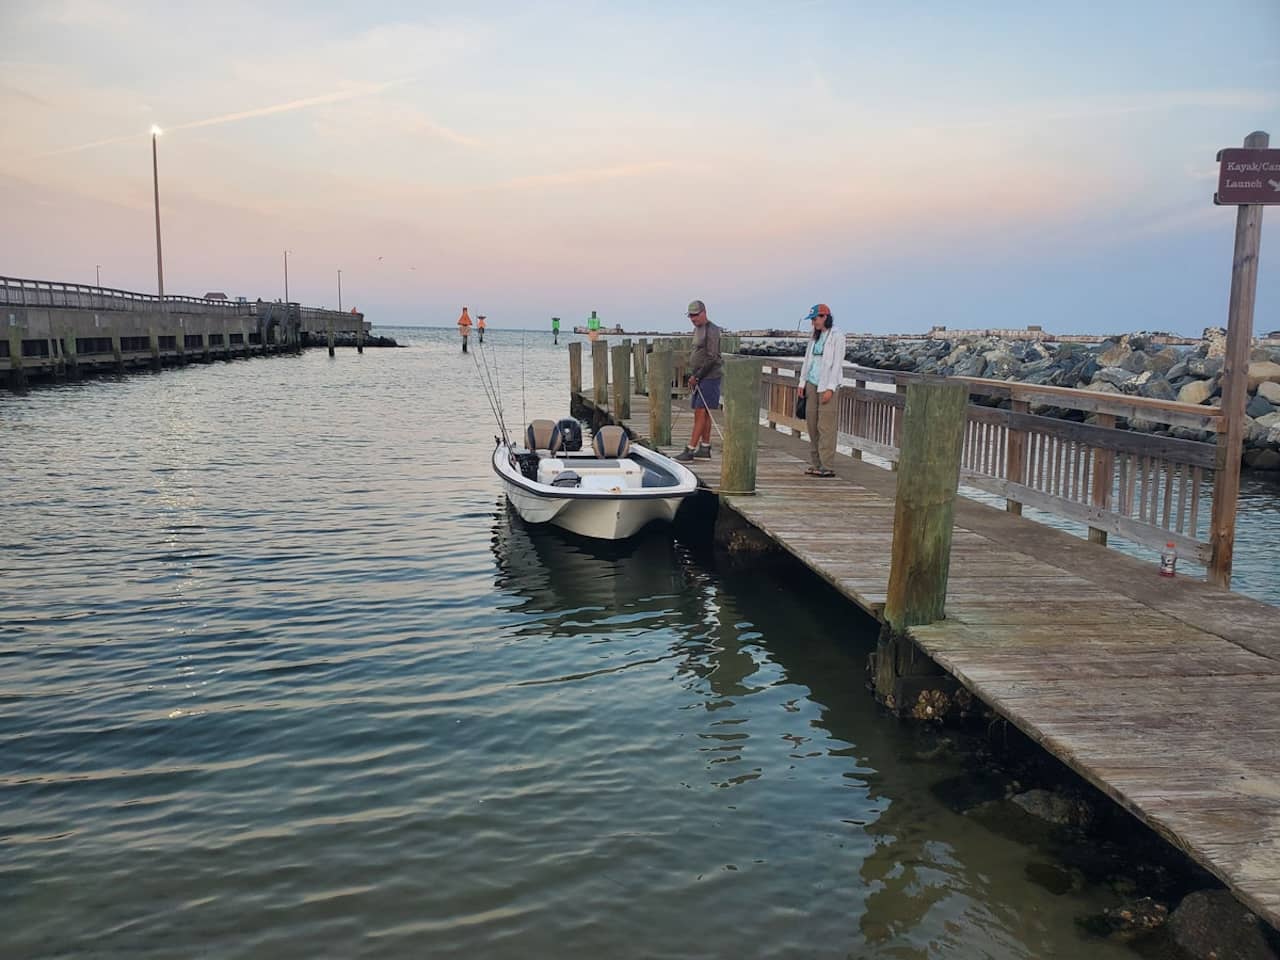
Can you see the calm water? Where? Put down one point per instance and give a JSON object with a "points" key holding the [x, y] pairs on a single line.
{"points": [[280, 677]]}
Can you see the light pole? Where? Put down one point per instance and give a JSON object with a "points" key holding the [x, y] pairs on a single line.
{"points": [[155, 183], [286, 278], [339, 291], [97, 269]]}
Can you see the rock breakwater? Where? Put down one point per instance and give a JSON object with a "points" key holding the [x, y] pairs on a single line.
{"points": [[1131, 364]]}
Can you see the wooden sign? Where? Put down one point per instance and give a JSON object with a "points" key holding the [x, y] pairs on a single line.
{"points": [[1248, 176]]}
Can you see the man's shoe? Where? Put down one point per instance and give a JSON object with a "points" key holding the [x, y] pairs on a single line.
{"points": [[686, 455], [703, 452]]}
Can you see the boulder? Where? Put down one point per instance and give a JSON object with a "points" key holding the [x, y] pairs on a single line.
{"points": [[1196, 391], [1177, 371], [1262, 372], [1204, 367], [1133, 920], [1054, 807], [1269, 390], [1255, 435], [1164, 361], [1262, 459], [1117, 376], [1259, 407], [1213, 925], [971, 365], [1001, 366], [1213, 343], [1157, 388], [1269, 421], [1101, 386], [1138, 362], [1114, 355]]}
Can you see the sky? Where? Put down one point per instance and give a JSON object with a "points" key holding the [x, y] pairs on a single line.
{"points": [[971, 164]]}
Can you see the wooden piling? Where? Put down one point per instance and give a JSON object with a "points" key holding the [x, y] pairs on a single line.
{"points": [[153, 339], [1235, 382], [116, 353], [620, 356], [575, 368], [600, 372], [660, 398], [360, 337], [740, 390], [932, 440], [69, 354], [637, 372], [330, 335], [17, 375]]}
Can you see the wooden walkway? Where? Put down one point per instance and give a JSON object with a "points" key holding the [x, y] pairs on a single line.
{"points": [[1165, 694]]}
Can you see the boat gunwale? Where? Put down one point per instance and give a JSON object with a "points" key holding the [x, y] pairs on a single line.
{"points": [[679, 491]]}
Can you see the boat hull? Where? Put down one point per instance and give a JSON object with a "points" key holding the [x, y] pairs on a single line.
{"points": [[601, 516]]}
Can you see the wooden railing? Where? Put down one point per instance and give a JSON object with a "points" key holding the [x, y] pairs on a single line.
{"points": [[1147, 489]]}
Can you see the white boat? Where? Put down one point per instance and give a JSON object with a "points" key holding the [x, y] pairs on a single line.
{"points": [[608, 492]]}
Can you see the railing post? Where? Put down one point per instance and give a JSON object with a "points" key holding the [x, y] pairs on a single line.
{"points": [[859, 415], [575, 368], [932, 441], [660, 398], [1015, 464], [620, 356], [1235, 392], [741, 391], [896, 465], [600, 372], [1104, 467]]}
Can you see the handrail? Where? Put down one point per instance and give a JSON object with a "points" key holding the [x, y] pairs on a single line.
{"points": [[1169, 412]]}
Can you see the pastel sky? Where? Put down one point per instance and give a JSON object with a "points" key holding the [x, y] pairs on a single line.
{"points": [[970, 164]]}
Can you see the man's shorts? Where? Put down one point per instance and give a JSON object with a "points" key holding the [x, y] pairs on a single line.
{"points": [[706, 395]]}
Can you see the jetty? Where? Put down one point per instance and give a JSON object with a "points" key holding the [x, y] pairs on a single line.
{"points": [[68, 329], [1163, 692]]}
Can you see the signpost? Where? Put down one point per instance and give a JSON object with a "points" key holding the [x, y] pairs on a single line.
{"points": [[1249, 178]]}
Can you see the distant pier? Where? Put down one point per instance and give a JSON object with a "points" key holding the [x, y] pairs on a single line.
{"points": [[68, 330]]}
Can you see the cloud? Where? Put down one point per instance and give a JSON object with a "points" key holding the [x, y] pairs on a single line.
{"points": [[291, 105], [592, 175]]}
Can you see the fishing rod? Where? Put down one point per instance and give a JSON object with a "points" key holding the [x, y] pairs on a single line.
{"points": [[524, 410], [494, 405], [697, 388]]}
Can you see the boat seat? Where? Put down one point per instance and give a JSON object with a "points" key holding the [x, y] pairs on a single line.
{"points": [[544, 435], [611, 441]]}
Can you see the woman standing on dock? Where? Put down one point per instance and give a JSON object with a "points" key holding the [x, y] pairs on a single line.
{"points": [[820, 376]]}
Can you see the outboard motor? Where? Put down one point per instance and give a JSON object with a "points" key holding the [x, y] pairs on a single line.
{"points": [[571, 432]]}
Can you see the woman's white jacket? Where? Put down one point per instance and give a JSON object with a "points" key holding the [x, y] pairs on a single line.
{"points": [[830, 364]]}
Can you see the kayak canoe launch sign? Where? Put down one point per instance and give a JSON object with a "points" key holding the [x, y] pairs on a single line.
{"points": [[1248, 176]]}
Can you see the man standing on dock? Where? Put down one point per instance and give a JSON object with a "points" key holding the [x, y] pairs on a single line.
{"points": [[464, 328], [704, 382]]}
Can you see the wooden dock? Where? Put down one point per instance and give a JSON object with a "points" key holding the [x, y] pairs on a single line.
{"points": [[1163, 693]]}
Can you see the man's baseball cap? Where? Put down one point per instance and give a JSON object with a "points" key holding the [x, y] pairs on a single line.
{"points": [[818, 310], [696, 306]]}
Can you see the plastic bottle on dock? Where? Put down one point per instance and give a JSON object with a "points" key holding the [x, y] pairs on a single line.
{"points": [[1168, 560]]}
